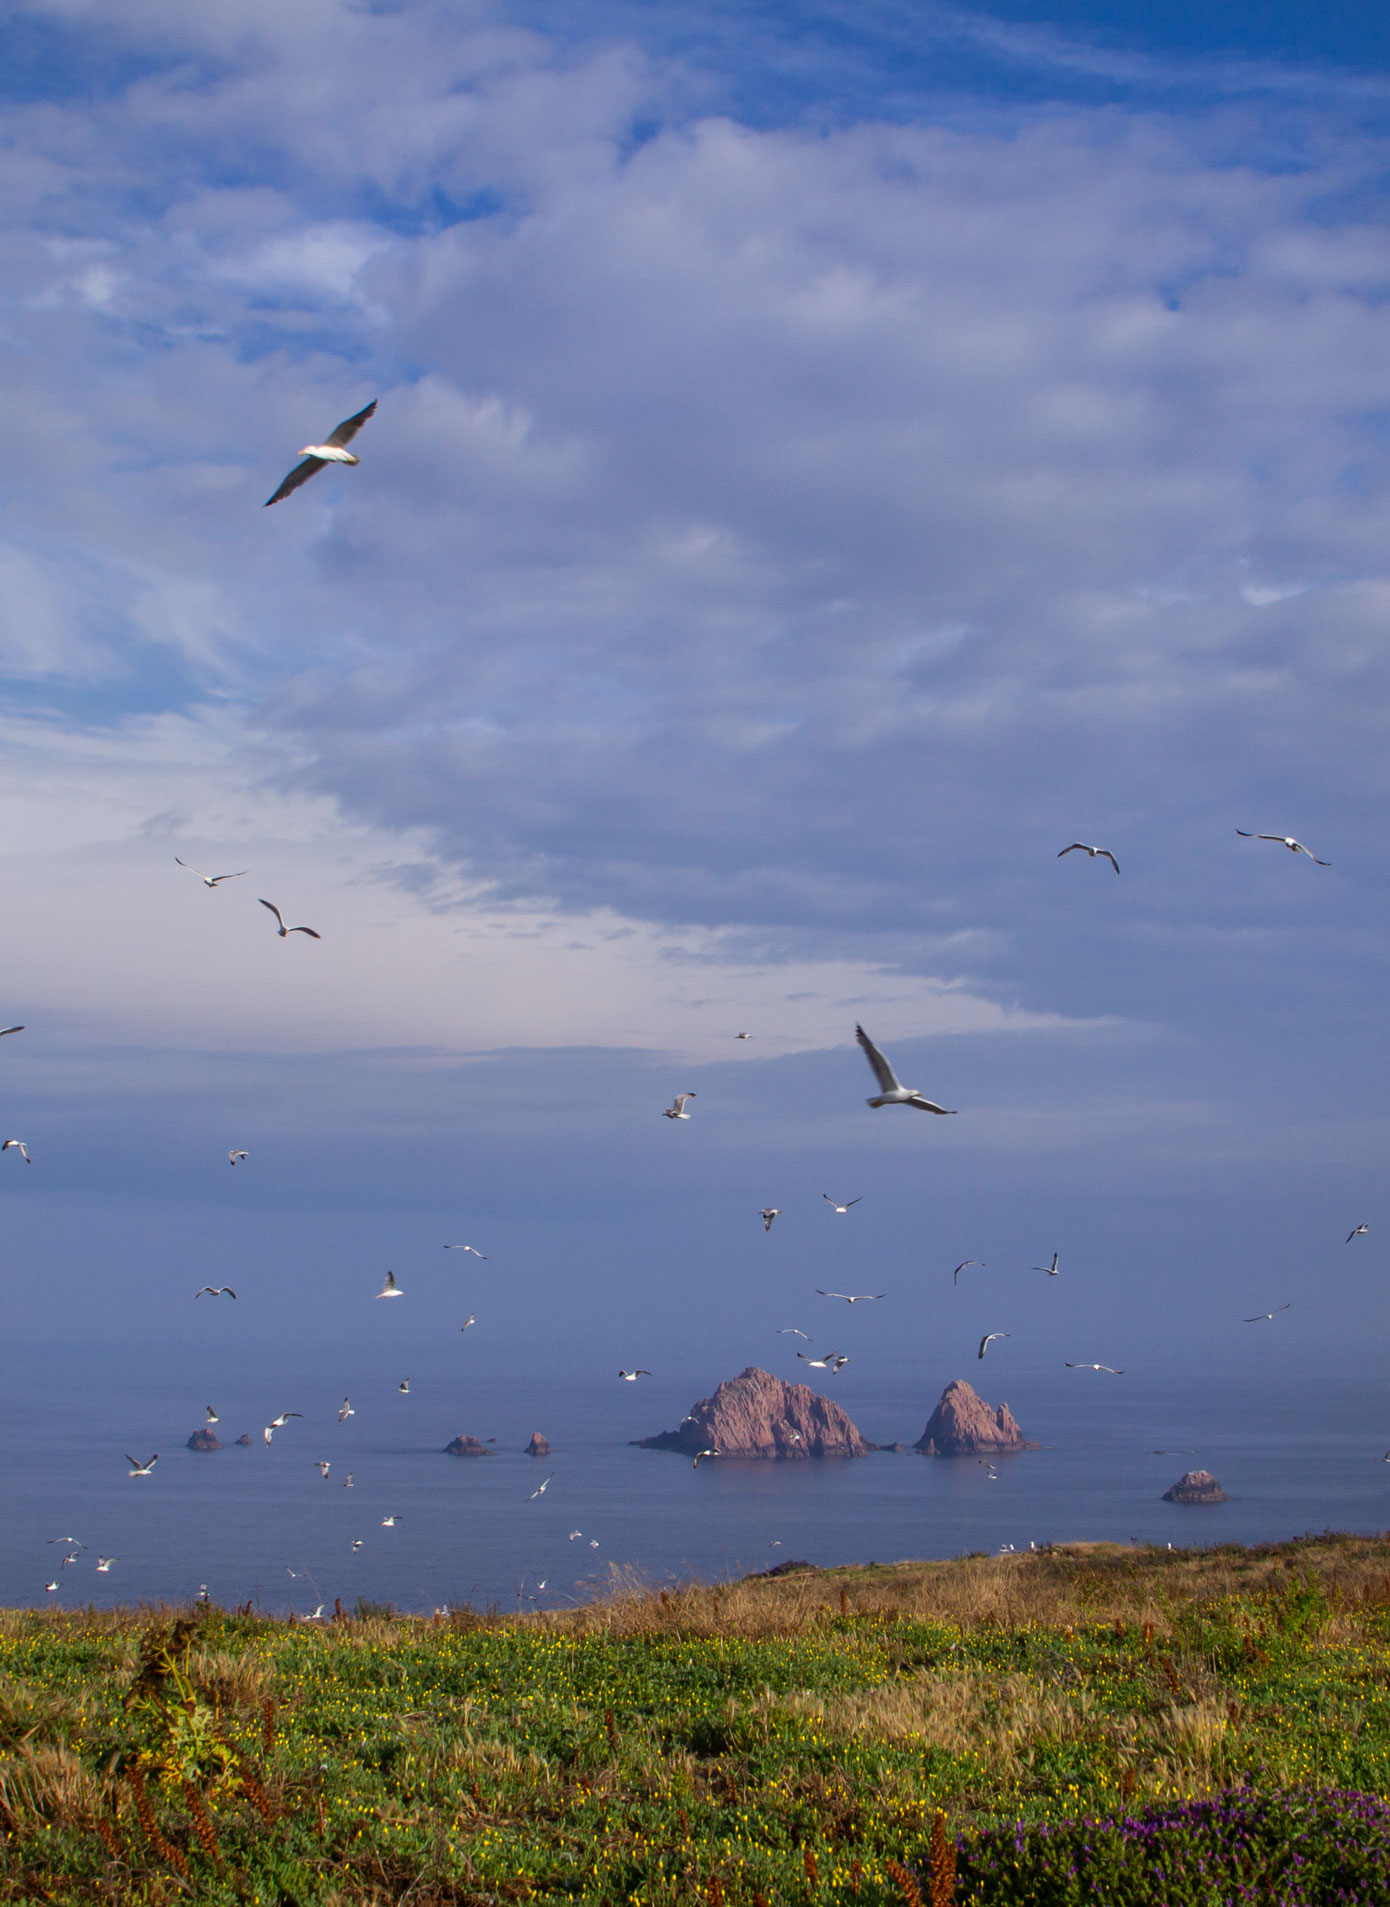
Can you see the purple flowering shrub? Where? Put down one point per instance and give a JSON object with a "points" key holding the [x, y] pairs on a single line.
{"points": [[1300, 1847]]}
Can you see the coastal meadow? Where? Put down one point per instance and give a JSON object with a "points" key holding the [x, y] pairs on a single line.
{"points": [[1088, 1724]]}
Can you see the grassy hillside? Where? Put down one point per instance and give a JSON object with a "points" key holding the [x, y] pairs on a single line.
{"points": [[788, 1740]]}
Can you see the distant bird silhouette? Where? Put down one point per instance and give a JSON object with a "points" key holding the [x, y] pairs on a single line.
{"points": [[211, 880], [1051, 1269], [1103, 853], [541, 1488], [632, 1376], [676, 1110], [1262, 1317], [836, 1206], [390, 1289], [858, 1297], [234, 1155], [833, 1361], [989, 1339], [473, 1248], [700, 1456], [1094, 1367], [285, 931], [23, 1149], [1360, 1232], [768, 1213], [141, 1469], [215, 1291], [962, 1265], [1285, 841]]}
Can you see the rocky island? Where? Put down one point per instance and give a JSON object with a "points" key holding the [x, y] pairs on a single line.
{"points": [[205, 1438], [1196, 1486], [964, 1425], [466, 1447], [758, 1415]]}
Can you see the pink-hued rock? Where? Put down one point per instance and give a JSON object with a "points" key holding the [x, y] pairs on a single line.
{"points": [[538, 1446], [466, 1447], [757, 1415], [1196, 1486], [964, 1425], [205, 1438]]}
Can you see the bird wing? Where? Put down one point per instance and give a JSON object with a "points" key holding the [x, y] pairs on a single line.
{"points": [[929, 1105], [192, 870], [349, 428], [306, 930], [228, 1289], [1246, 835], [1108, 856], [888, 1080], [300, 474], [274, 910], [1351, 1235], [225, 877], [1084, 849], [10, 1029]]}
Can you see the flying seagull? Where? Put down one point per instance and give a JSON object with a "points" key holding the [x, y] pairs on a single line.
{"points": [[467, 1321], [768, 1213], [10, 1029], [390, 1289], [790, 1331], [1285, 841], [211, 880], [404, 1387], [347, 1480], [631, 1377], [213, 1417], [1262, 1317], [321, 1464], [677, 1109], [1094, 1367], [1051, 1269], [743, 1036], [23, 1149], [841, 1209], [346, 1411], [215, 1291], [389, 1522], [234, 1155], [986, 1341], [700, 1456], [1104, 853], [858, 1297], [141, 1469], [285, 931], [473, 1248], [541, 1489], [315, 456], [833, 1361], [892, 1091], [356, 1544], [104, 1563], [962, 1265], [1358, 1233]]}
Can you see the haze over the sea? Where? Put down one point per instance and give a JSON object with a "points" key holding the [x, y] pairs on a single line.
{"points": [[827, 460]]}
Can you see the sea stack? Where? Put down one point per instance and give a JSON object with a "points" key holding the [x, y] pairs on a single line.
{"points": [[1196, 1486], [964, 1425], [538, 1446], [205, 1438], [244, 1437], [757, 1415], [466, 1447]]}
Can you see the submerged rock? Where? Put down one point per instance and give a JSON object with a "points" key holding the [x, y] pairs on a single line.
{"points": [[206, 1438], [1196, 1486], [964, 1425], [466, 1447], [758, 1415]]}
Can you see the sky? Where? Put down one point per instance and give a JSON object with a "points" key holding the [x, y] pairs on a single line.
{"points": [[828, 459]]}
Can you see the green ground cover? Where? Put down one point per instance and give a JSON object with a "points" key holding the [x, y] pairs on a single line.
{"points": [[779, 1741]]}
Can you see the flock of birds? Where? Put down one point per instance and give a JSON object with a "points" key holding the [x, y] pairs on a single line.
{"points": [[891, 1092]]}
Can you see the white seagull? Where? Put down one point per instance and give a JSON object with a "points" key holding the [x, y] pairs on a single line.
{"points": [[1360, 1232], [322, 1466], [346, 1411], [676, 1110], [390, 1289], [10, 1029], [962, 1265], [833, 1361], [285, 931], [141, 1469], [858, 1297], [211, 880], [347, 1480], [473, 1248], [278, 1423], [1104, 853], [1051, 1269], [23, 1149], [104, 1563], [213, 1417], [988, 1339], [356, 1544], [389, 1522], [315, 456], [470, 1319], [835, 1206], [892, 1092], [542, 1488], [768, 1213], [1094, 1367], [1262, 1317], [214, 1291], [790, 1331], [404, 1387], [1285, 841], [632, 1376], [743, 1036], [235, 1154], [700, 1456]]}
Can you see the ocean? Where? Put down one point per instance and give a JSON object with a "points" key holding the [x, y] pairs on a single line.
{"points": [[260, 1524]]}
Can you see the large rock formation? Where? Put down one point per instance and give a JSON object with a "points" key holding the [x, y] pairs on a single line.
{"points": [[757, 1415], [466, 1447], [1196, 1486], [964, 1425], [205, 1438]]}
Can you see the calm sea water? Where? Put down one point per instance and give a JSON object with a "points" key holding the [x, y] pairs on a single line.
{"points": [[469, 1531]]}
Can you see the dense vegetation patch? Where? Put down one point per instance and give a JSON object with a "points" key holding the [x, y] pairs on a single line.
{"points": [[1101, 1718]]}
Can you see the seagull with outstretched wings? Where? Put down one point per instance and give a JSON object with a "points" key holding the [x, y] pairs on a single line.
{"points": [[1285, 841], [1103, 853], [315, 456], [891, 1091]]}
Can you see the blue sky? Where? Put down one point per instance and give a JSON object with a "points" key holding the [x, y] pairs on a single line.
{"points": [[827, 459]]}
